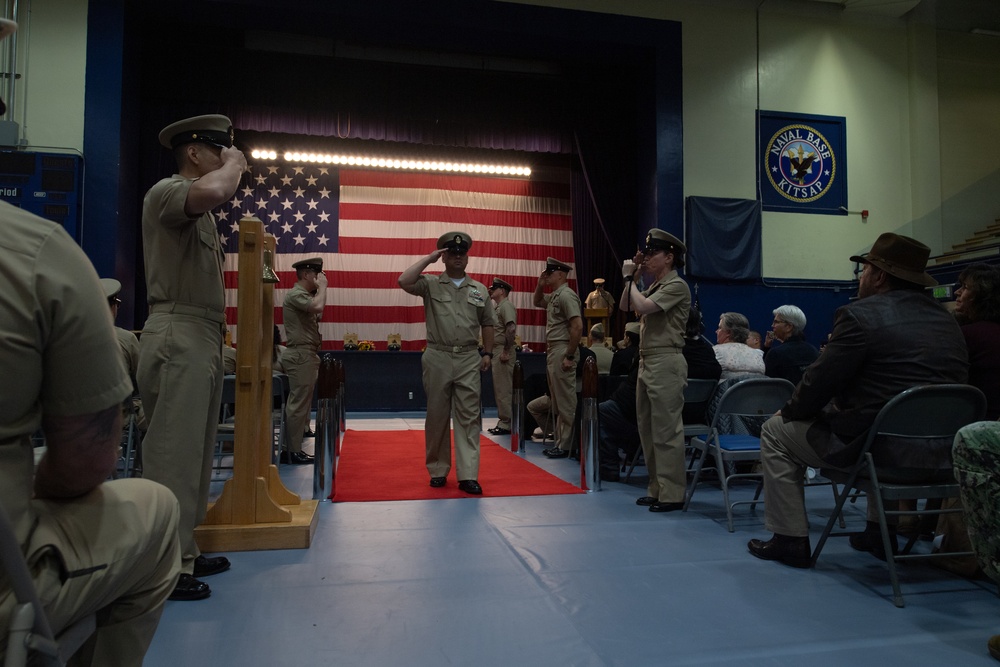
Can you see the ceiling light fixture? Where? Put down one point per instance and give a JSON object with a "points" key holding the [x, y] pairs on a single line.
{"points": [[394, 163]]}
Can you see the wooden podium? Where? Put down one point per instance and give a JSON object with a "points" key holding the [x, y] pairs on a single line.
{"points": [[255, 510]]}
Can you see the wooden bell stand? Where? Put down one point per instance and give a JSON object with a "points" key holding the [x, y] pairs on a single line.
{"points": [[255, 510]]}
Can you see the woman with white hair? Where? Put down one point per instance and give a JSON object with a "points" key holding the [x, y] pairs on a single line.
{"points": [[789, 359]]}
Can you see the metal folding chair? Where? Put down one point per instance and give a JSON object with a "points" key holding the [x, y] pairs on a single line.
{"points": [[920, 417], [752, 400]]}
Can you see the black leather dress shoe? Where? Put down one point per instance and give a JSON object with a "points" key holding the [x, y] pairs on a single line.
{"points": [[206, 567], [438, 482], [295, 458], [499, 431], [791, 551], [870, 540], [556, 453], [309, 433], [646, 501], [470, 486], [665, 507], [188, 588]]}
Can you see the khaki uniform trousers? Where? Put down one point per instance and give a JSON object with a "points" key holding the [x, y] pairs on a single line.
{"points": [[180, 381], [659, 402], [452, 383], [562, 393], [302, 367], [114, 553], [785, 454], [503, 385]]}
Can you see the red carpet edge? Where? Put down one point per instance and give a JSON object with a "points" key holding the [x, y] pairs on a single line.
{"points": [[389, 465]]}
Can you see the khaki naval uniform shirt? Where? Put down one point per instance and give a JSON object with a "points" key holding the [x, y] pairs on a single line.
{"points": [[503, 373], [301, 363], [180, 352], [660, 387], [561, 306], [119, 541], [455, 317]]}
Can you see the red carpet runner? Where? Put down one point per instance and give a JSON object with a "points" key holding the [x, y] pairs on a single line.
{"points": [[389, 465]]}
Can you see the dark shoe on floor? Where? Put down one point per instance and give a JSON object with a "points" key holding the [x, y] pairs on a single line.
{"points": [[470, 486], [665, 507], [295, 458], [438, 482], [791, 551], [870, 540], [206, 567], [498, 430], [556, 453], [308, 433], [994, 646], [188, 588], [646, 501]]}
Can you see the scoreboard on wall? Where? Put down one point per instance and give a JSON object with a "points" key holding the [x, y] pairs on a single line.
{"points": [[47, 184]]}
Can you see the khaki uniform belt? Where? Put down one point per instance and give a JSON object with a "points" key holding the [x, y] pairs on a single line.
{"points": [[653, 351], [454, 349], [178, 308]]}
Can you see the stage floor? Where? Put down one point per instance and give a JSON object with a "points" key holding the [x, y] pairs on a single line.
{"points": [[586, 579]]}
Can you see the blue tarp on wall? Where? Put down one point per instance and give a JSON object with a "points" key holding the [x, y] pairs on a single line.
{"points": [[723, 238]]}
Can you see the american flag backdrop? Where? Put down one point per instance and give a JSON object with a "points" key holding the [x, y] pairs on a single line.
{"points": [[369, 226]]}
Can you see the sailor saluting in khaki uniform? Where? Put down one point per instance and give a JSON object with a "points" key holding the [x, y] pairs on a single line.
{"points": [[457, 310], [180, 351]]}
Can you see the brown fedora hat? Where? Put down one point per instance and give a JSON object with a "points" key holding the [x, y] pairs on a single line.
{"points": [[900, 256]]}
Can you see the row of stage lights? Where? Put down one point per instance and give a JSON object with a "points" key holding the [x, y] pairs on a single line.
{"points": [[392, 163]]}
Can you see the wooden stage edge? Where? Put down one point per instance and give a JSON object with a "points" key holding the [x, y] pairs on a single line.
{"points": [[261, 536]]}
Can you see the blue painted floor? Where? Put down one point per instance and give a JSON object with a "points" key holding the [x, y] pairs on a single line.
{"points": [[567, 580]]}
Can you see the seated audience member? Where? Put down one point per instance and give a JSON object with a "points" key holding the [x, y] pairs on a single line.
{"points": [[791, 358], [977, 307], [540, 409], [108, 549], [701, 361], [603, 353], [626, 354], [869, 360], [976, 457], [732, 351], [127, 341], [129, 346], [753, 339], [618, 426], [229, 360]]}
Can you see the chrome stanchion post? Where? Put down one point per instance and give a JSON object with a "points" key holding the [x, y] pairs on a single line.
{"points": [[590, 478], [517, 410], [342, 392], [324, 464]]}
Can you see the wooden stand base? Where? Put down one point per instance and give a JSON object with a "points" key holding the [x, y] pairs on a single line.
{"points": [[257, 536]]}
